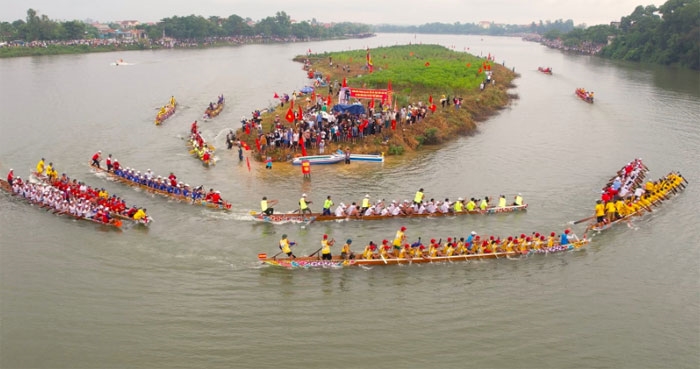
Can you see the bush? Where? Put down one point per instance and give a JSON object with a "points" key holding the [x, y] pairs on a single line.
{"points": [[396, 150]]}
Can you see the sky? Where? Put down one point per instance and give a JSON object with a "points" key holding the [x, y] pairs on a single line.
{"points": [[398, 12]]}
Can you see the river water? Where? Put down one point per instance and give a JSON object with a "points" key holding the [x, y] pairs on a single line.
{"points": [[188, 293]]}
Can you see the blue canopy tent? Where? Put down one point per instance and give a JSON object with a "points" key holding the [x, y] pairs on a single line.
{"points": [[352, 109], [307, 89]]}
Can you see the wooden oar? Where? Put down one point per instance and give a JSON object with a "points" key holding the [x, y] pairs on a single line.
{"points": [[315, 252], [583, 220]]}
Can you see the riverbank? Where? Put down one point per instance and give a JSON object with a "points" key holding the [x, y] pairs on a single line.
{"points": [[39, 48], [436, 95]]}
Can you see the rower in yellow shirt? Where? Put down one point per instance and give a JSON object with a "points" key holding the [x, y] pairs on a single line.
{"points": [[40, 167], [140, 214]]}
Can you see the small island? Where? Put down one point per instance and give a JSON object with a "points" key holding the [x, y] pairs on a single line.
{"points": [[411, 96]]}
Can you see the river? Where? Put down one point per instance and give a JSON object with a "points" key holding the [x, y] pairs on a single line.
{"points": [[188, 292]]}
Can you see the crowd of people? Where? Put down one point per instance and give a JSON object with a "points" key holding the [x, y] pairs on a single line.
{"points": [[471, 244]]}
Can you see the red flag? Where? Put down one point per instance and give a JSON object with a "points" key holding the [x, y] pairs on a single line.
{"points": [[328, 100], [276, 96], [309, 51], [388, 85], [430, 99], [427, 64], [302, 144], [301, 113], [247, 162], [313, 97], [245, 146], [479, 71], [371, 104], [433, 107], [257, 144], [290, 116], [469, 65], [345, 82], [393, 124], [247, 129]]}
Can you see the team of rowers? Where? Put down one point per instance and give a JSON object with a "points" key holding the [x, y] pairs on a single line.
{"points": [[586, 95], [77, 199], [470, 245], [166, 111], [618, 207], [211, 108], [200, 148], [166, 185], [379, 207]]}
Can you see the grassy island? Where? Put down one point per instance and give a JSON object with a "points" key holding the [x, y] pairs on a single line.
{"points": [[417, 74]]}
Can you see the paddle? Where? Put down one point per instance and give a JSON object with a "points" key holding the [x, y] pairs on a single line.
{"points": [[290, 246], [583, 220], [331, 242]]}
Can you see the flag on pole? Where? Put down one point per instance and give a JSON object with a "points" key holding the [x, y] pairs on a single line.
{"points": [[328, 100], [427, 64], [245, 146], [290, 115], [430, 99], [301, 113], [257, 144], [247, 162], [345, 82], [276, 96]]}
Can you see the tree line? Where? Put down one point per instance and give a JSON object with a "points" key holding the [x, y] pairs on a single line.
{"points": [[42, 28]]}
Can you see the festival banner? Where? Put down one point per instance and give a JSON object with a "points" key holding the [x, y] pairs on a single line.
{"points": [[366, 93]]}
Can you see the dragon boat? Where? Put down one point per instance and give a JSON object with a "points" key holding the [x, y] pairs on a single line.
{"points": [[584, 95], [165, 114], [318, 217], [113, 223], [306, 262], [226, 206], [672, 184], [547, 70], [211, 113]]}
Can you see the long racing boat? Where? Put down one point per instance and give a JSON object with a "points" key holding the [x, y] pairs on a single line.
{"points": [[306, 262], [318, 217], [225, 205], [115, 223]]}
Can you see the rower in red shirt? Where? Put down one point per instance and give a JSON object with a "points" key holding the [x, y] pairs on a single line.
{"points": [[10, 176], [96, 158], [193, 130], [116, 165], [206, 157], [216, 197], [173, 179]]}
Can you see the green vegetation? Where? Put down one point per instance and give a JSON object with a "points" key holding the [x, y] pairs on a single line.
{"points": [[42, 28], [198, 28], [493, 29], [416, 73], [672, 38]]}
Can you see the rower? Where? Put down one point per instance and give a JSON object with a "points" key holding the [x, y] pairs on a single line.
{"points": [[303, 205], [265, 206], [345, 252], [96, 158], [518, 200], [285, 246], [326, 248], [141, 214], [458, 205], [484, 203], [405, 252], [599, 211], [368, 253], [471, 205], [399, 239], [418, 199], [565, 238], [10, 176], [172, 101], [502, 202], [40, 167], [365, 204]]}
